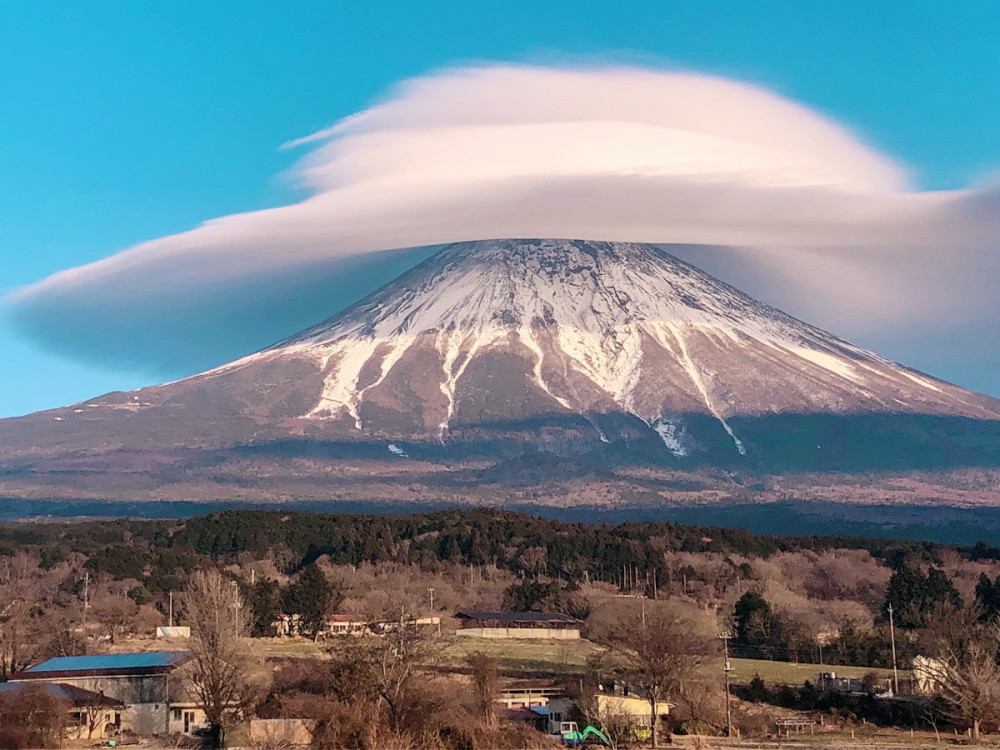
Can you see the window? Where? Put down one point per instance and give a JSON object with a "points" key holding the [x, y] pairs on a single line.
{"points": [[177, 714]]}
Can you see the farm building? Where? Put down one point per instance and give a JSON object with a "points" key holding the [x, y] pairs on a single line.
{"points": [[340, 624], [89, 715], [613, 704], [546, 705], [150, 685], [346, 625], [287, 625], [518, 625], [928, 674], [529, 693]]}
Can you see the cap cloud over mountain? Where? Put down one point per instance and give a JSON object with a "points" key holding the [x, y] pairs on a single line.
{"points": [[775, 197]]}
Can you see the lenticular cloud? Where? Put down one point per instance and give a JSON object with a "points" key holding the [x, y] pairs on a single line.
{"points": [[762, 191]]}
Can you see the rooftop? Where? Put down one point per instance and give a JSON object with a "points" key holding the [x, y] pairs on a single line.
{"points": [[518, 617], [69, 693], [145, 662]]}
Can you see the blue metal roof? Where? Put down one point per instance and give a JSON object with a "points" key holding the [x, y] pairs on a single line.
{"points": [[110, 662]]}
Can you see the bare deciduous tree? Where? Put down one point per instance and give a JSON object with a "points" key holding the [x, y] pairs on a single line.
{"points": [[382, 671], [33, 717], [94, 713], [657, 652], [222, 674], [27, 593], [116, 614], [486, 684], [967, 675]]}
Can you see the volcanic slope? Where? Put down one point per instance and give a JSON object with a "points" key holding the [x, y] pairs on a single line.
{"points": [[498, 348]]}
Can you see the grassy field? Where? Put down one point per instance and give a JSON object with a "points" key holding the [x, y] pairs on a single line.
{"points": [[526, 655], [550, 657], [571, 656], [784, 673]]}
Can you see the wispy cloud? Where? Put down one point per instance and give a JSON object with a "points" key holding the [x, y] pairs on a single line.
{"points": [[769, 194]]}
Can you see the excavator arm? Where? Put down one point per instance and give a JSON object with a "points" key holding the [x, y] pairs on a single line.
{"points": [[595, 732]]}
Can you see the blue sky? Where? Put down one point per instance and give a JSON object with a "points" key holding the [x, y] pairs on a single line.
{"points": [[123, 121]]}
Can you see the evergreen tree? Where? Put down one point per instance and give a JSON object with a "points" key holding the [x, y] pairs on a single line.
{"points": [[264, 600], [757, 690], [914, 596], [312, 597], [532, 596], [988, 597], [754, 623]]}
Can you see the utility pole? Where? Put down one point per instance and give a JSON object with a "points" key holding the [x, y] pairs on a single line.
{"points": [[86, 600], [726, 669], [430, 590], [170, 609], [236, 601], [892, 638]]}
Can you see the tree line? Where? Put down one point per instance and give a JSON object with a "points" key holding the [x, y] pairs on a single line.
{"points": [[158, 552]]}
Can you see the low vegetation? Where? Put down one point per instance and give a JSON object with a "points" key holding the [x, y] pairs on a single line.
{"points": [[792, 607]]}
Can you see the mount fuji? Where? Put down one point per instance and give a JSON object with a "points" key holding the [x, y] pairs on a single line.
{"points": [[567, 356]]}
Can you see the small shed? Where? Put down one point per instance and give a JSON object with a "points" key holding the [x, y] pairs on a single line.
{"points": [[536, 717], [282, 732], [550, 625]]}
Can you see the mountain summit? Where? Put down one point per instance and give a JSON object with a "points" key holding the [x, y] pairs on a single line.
{"points": [[523, 363], [512, 330]]}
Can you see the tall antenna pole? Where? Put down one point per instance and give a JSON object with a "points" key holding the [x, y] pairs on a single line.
{"points": [[892, 638]]}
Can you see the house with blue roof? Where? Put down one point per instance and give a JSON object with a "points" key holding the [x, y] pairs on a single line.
{"points": [[152, 686]]}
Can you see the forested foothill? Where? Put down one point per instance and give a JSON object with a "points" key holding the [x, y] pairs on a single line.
{"points": [[821, 601]]}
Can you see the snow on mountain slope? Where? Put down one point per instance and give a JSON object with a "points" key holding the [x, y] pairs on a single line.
{"points": [[508, 330]]}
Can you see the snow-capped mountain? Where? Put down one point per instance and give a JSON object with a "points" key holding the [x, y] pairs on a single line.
{"points": [[510, 330], [500, 364]]}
